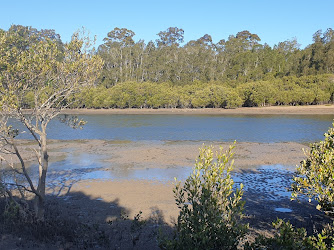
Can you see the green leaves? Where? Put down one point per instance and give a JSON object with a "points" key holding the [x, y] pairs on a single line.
{"points": [[315, 175], [210, 209], [44, 72], [289, 237]]}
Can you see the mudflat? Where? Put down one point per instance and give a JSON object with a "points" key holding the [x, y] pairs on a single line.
{"points": [[146, 194], [103, 200]]}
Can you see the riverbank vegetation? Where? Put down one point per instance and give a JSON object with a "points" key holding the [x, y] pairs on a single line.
{"points": [[238, 71], [168, 73], [282, 91]]}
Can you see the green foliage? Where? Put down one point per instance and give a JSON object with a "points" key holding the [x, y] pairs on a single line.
{"points": [[238, 71], [240, 57], [210, 210], [291, 238], [287, 91], [38, 71], [11, 212], [37, 68], [315, 175]]}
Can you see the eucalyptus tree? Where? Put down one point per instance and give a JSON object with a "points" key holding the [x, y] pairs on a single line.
{"points": [[318, 57], [150, 67], [312, 61], [223, 59], [238, 55], [116, 52], [169, 53], [287, 54], [52, 73], [200, 59], [171, 36], [328, 39]]}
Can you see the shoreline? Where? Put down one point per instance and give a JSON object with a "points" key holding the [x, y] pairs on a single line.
{"points": [[271, 110]]}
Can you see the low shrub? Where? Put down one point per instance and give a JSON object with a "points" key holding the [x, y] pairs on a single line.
{"points": [[210, 209]]}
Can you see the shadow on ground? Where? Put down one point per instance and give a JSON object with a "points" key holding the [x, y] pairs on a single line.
{"points": [[77, 221]]}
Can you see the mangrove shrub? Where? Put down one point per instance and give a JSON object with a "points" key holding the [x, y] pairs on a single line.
{"points": [[315, 175], [210, 208]]}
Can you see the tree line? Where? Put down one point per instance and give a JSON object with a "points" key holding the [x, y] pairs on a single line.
{"points": [[306, 90], [238, 71], [241, 58]]}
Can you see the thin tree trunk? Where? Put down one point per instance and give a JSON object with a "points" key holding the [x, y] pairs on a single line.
{"points": [[43, 167]]}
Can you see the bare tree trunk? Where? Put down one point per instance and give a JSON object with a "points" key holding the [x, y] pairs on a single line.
{"points": [[43, 167]]}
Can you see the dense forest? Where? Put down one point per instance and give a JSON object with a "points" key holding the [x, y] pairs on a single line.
{"points": [[238, 71]]}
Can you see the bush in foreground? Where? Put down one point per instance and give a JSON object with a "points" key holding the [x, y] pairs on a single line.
{"points": [[209, 207], [292, 238], [315, 175]]}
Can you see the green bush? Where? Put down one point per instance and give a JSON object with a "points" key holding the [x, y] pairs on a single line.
{"points": [[290, 238], [315, 175], [210, 208]]}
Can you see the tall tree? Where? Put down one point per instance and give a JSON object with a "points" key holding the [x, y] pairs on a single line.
{"points": [[172, 36], [52, 74], [116, 52]]}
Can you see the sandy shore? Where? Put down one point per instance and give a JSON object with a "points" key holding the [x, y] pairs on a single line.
{"points": [[273, 110], [104, 200]]}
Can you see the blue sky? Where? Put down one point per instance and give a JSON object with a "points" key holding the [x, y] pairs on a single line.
{"points": [[272, 21]]}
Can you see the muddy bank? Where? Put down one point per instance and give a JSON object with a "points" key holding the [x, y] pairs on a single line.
{"points": [[273, 110], [120, 159], [140, 174]]}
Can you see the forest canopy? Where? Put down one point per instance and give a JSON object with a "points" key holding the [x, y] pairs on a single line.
{"points": [[168, 73]]}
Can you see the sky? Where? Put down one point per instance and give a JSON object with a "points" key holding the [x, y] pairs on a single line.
{"points": [[273, 21]]}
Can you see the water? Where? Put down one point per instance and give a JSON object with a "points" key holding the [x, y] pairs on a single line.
{"points": [[250, 128], [271, 181], [83, 166], [283, 210]]}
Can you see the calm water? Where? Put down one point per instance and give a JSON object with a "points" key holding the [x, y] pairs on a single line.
{"points": [[252, 128]]}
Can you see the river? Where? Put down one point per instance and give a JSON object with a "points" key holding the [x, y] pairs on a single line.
{"points": [[247, 128]]}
